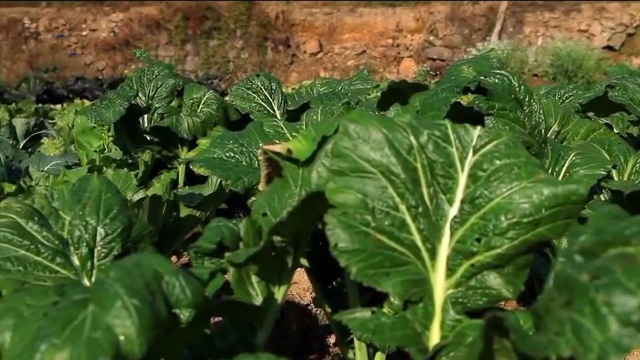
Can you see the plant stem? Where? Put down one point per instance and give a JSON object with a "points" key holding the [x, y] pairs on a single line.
{"points": [[279, 294], [182, 167], [354, 302], [380, 356], [272, 315]]}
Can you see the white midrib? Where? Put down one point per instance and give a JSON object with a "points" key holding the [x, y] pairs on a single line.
{"points": [[439, 279], [566, 166]]}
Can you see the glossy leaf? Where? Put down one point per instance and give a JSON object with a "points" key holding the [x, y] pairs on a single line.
{"points": [[68, 233], [119, 316], [439, 226]]}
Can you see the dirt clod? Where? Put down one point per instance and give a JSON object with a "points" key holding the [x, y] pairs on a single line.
{"points": [[407, 68], [312, 47]]}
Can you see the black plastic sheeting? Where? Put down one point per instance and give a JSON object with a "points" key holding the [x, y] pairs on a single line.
{"points": [[78, 87]]}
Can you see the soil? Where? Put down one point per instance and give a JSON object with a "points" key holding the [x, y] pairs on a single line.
{"points": [[295, 40], [303, 325]]}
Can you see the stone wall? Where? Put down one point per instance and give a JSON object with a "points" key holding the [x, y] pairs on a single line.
{"points": [[295, 40]]}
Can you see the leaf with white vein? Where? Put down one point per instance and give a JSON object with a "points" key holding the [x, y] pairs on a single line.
{"points": [[438, 213], [259, 95], [120, 316], [69, 232]]}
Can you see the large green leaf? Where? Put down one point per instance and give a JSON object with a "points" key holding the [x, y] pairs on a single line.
{"points": [[156, 86], [584, 162], [233, 157], [616, 97], [325, 91], [119, 316], [259, 95], [589, 308], [125, 181], [219, 233], [459, 79], [574, 95], [438, 213], [49, 164], [593, 292], [201, 110], [574, 147], [69, 232], [625, 90], [510, 103], [152, 87], [111, 107], [586, 150]]}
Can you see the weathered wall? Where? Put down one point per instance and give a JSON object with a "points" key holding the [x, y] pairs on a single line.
{"points": [[296, 40]]}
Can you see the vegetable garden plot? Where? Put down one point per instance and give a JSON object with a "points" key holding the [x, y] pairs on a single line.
{"points": [[414, 209]]}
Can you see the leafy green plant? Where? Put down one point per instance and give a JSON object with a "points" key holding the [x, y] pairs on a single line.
{"points": [[60, 251], [415, 209], [621, 69], [559, 60], [572, 62]]}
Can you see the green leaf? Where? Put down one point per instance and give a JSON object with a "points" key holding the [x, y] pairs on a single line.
{"points": [[306, 142], [573, 95], [259, 95], [120, 316], [125, 181], [23, 128], [624, 90], [446, 226], [201, 110], [621, 122], [332, 91], [290, 204], [155, 84], [39, 162], [589, 307], [197, 195], [384, 330], [110, 108], [219, 231], [486, 339], [578, 148], [207, 253], [511, 100], [90, 140], [461, 77], [593, 292], [70, 232], [152, 87], [233, 157], [162, 185], [5, 115], [584, 162]]}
